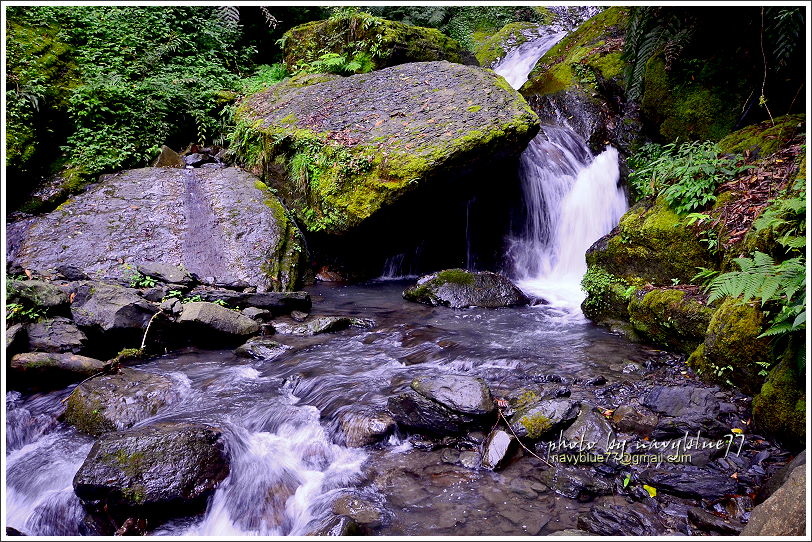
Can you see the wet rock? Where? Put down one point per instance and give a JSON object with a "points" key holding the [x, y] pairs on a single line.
{"points": [[363, 512], [682, 400], [706, 521], [596, 381], [44, 370], [164, 272], [261, 348], [571, 532], [668, 428], [260, 315], [37, 294], [590, 427], [690, 482], [544, 418], [576, 483], [112, 309], [117, 401], [154, 471], [612, 520], [168, 158], [197, 159], [413, 411], [628, 419], [56, 335], [365, 428], [784, 513], [174, 216], [414, 112], [322, 324], [457, 288], [337, 526], [495, 448], [780, 477], [16, 339], [278, 303], [459, 393], [299, 316], [470, 459], [218, 323]]}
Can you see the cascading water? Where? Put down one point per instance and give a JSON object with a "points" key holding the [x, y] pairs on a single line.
{"points": [[571, 198]]}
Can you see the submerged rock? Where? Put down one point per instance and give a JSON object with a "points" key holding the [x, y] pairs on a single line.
{"points": [[44, 370], [382, 135], [349, 36], [261, 348], [193, 218], [156, 471], [576, 483], [117, 401], [457, 288]]}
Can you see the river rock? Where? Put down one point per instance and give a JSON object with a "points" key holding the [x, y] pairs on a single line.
{"points": [[690, 482], [216, 322], [261, 348], [708, 522], [158, 470], [544, 418], [590, 428], [576, 483], [337, 526], [413, 411], [15, 339], [459, 393], [37, 294], [45, 370], [629, 419], [168, 158], [112, 309], [260, 315], [164, 272], [682, 400], [457, 288], [669, 428], [278, 303], [195, 218], [365, 428], [364, 513], [391, 132], [495, 448], [784, 513], [55, 335], [117, 401], [633, 519], [322, 324], [347, 36]]}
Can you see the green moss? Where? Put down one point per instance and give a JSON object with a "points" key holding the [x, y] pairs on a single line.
{"points": [[765, 138], [135, 495], [607, 296], [492, 48], [474, 108], [780, 407], [283, 269], [86, 415], [667, 317], [454, 276], [130, 464], [535, 425], [654, 245], [583, 56], [732, 353]]}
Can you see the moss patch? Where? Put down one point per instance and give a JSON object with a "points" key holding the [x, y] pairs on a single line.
{"points": [[670, 318], [494, 47], [536, 425], [780, 406], [765, 138]]}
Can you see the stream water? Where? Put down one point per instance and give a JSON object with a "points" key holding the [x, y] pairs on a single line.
{"points": [[285, 419]]}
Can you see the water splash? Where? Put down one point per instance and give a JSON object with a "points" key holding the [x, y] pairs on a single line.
{"points": [[519, 62]]}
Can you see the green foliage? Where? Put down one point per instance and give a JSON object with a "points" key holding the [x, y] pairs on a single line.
{"points": [[360, 62], [265, 76], [686, 174], [603, 289], [138, 280], [16, 312], [140, 77]]}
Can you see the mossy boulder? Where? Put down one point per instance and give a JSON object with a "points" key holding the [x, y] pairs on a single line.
{"points": [[607, 296], [223, 224], [342, 150], [509, 36], [152, 473], [670, 318], [651, 244], [680, 107], [377, 43], [763, 139], [48, 370], [457, 288], [780, 407], [581, 78], [732, 351]]}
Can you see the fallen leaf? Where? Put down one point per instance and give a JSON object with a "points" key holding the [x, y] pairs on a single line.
{"points": [[652, 491]]}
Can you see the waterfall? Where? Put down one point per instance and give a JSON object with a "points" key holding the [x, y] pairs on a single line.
{"points": [[571, 198]]}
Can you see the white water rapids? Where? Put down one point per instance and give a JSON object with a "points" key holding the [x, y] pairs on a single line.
{"points": [[572, 198]]}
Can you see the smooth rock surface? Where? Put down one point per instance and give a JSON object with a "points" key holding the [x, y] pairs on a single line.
{"points": [[55, 335], [45, 370], [459, 289]]}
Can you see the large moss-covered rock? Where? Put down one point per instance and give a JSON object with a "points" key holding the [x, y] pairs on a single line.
{"points": [[220, 223], [670, 318], [581, 77], [607, 296], [732, 351], [47, 370], [651, 244], [382, 43], [780, 406], [341, 150], [764, 138], [457, 288]]}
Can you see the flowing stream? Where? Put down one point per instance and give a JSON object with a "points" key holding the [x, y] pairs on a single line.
{"points": [[285, 419]]}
